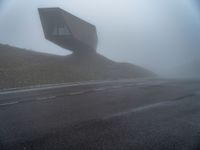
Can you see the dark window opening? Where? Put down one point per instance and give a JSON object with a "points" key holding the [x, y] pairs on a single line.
{"points": [[60, 30]]}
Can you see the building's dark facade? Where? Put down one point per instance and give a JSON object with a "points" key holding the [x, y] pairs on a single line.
{"points": [[68, 31]]}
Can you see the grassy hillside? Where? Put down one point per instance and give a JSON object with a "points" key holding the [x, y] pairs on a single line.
{"points": [[19, 67]]}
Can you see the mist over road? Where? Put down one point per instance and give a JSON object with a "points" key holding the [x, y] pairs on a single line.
{"points": [[141, 114]]}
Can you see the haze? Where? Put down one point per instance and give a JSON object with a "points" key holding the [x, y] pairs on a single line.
{"points": [[159, 35]]}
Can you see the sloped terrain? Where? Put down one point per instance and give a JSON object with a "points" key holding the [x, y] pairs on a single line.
{"points": [[20, 67]]}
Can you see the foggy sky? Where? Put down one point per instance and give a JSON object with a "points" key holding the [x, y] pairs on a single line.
{"points": [[156, 34]]}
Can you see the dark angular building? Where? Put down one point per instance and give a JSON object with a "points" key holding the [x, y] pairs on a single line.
{"points": [[68, 31]]}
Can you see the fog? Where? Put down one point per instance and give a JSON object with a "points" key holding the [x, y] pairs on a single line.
{"points": [[157, 34]]}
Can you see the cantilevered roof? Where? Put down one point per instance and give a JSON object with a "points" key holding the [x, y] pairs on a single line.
{"points": [[67, 30]]}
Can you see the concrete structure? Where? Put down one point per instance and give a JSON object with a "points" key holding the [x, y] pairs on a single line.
{"points": [[68, 31]]}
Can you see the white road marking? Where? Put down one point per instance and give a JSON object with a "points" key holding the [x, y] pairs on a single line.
{"points": [[107, 88], [11, 103], [147, 107], [140, 109], [101, 89], [116, 87], [62, 85], [45, 98], [77, 93]]}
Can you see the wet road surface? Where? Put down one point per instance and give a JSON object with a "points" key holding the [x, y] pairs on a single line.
{"points": [[143, 114]]}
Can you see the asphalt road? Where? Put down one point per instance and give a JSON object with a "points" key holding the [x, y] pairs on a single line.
{"points": [[145, 114]]}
